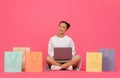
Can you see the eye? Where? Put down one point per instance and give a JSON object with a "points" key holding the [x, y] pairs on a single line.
{"points": [[64, 27]]}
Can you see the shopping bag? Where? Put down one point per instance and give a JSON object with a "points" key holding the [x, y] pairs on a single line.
{"points": [[33, 62], [12, 62], [93, 62], [108, 59], [23, 50]]}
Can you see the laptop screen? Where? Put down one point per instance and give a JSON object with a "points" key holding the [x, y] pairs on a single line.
{"points": [[62, 53]]}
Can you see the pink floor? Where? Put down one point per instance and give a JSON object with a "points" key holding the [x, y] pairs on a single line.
{"points": [[61, 74]]}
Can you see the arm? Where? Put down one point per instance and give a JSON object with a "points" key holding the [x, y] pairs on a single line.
{"points": [[50, 48], [73, 47]]}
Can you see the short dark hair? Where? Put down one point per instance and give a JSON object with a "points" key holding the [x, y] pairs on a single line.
{"points": [[68, 25]]}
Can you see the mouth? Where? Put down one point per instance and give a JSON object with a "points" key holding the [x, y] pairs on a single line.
{"points": [[60, 30]]}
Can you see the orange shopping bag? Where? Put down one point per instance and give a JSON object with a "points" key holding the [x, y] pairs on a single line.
{"points": [[33, 62], [23, 50], [93, 62]]}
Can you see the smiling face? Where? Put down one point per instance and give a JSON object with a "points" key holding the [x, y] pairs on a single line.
{"points": [[62, 28]]}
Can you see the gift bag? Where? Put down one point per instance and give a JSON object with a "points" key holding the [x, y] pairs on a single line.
{"points": [[23, 50], [108, 59], [93, 62], [12, 62], [33, 62]]}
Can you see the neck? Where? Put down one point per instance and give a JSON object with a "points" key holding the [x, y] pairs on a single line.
{"points": [[61, 35]]}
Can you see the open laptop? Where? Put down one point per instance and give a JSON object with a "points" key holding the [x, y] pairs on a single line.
{"points": [[63, 53]]}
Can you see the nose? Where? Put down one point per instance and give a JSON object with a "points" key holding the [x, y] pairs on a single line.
{"points": [[60, 28]]}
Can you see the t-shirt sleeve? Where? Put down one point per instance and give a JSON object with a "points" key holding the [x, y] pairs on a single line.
{"points": [[50, 48], [73, 47]]}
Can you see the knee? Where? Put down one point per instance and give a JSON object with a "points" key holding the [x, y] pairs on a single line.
{"points": [[78, 57], [48, 58]]}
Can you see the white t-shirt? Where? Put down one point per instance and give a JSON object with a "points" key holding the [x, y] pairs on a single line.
{"points": [[56, 41]]}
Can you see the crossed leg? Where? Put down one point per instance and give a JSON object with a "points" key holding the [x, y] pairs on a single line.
{"points": [[74, 62]]}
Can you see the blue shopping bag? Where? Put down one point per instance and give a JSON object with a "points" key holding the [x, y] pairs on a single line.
{"points": [[108, 59], [13, 62]]}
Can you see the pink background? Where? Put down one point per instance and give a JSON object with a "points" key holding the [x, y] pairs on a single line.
{"points": [[94, 24]]}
